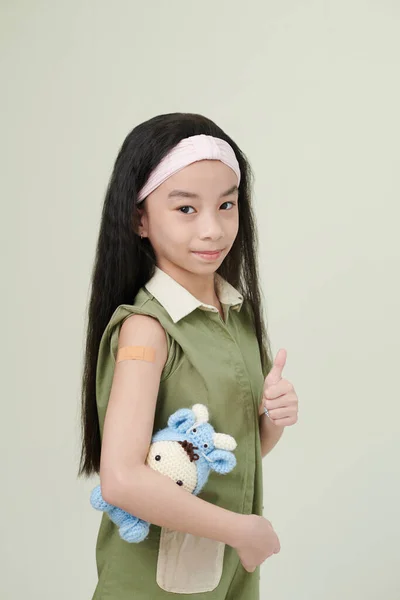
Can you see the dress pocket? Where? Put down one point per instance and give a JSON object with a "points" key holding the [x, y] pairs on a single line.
{"points": [[188, 564]]}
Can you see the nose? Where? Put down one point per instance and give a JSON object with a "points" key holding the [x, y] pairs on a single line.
{"points": [[210, 228]]}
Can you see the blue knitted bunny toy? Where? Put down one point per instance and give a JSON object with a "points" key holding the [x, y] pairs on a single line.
{"points": [[186, 451]]}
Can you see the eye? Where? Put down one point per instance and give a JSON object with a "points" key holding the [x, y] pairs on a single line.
{"points": [[194, 430], [205, 445], [233, 204], [158, 457], [182, 210], [179, 482]]}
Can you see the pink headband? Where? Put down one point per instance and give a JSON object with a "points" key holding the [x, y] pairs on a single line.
{"points": [[188, 151]]}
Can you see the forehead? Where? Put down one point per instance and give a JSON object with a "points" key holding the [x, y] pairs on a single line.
{"points": [[202, 175]]}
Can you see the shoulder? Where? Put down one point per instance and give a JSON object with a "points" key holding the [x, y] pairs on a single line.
{"points": [[140, 324], [144, 330], [137, 325]]}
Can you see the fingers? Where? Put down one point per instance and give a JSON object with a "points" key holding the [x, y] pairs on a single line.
{"points": [[286, 421], [275, 373], [281, 402], [282, 412], [249, 569], [252, 568], [281, 388]]}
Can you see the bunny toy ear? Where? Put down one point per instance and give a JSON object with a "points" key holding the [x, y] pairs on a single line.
{"points": [[223, 441], [222, 461], [181, 420], [201, 413]]}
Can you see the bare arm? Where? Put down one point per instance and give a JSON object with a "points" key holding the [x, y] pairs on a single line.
{"points": [[270, 434], [126, 481]]}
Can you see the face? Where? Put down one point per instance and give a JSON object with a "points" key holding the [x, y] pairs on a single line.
{"points": [[202, 436], [195, 211], [169, 458]]}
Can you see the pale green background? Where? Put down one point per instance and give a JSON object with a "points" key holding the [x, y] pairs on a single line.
{"points": [[310, 90]]}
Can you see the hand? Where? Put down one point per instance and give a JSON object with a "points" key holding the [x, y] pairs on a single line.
{"points": [[256, 541], [279, 396]]}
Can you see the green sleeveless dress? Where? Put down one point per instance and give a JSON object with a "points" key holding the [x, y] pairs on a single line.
{"points": [[212, 361]]}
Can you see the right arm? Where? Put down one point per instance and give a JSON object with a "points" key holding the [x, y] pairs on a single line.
{"points": [[127, 482]]}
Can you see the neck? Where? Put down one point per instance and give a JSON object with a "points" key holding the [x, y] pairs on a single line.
{"points": [[201, 287]]}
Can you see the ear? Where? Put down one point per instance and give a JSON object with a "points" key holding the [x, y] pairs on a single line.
{"points": [[224, 441], [201, 413], [221, 461], [181, 420], [140, 221]]}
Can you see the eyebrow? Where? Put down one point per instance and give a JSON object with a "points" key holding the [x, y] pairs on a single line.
{"points": [[183, 194]]}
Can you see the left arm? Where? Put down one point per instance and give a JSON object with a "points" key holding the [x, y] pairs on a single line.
{"points": [[281, 402], [270, 434]]}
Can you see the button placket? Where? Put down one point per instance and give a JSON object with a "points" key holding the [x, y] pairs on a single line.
{"points": [[242, 378]]}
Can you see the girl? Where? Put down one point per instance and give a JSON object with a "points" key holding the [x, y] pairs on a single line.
{"points": [[175, 319]]}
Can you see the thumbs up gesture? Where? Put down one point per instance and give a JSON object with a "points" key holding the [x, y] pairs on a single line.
{"points": [[279, 401]]}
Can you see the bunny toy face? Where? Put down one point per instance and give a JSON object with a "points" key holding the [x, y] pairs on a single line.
{"points": [[215, 450], [201, 435], [176, 461], [186, 451]]}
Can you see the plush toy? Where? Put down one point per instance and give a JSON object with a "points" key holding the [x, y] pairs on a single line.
{"points": [[186, 451]]}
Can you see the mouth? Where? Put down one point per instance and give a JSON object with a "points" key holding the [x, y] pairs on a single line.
{"points": [[208, 254]]}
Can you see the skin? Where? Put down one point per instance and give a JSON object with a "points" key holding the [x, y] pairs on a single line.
{"points": [[194, 210], [281, 401], [197, 209]]}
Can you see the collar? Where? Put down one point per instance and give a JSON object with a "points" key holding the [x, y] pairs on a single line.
{"points": [[179, 303]]}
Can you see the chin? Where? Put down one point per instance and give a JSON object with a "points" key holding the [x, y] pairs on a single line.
{"points": [[192, 265], [206, 268]]}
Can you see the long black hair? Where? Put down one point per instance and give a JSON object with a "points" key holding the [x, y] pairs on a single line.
{"points": [[124, 262]]}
